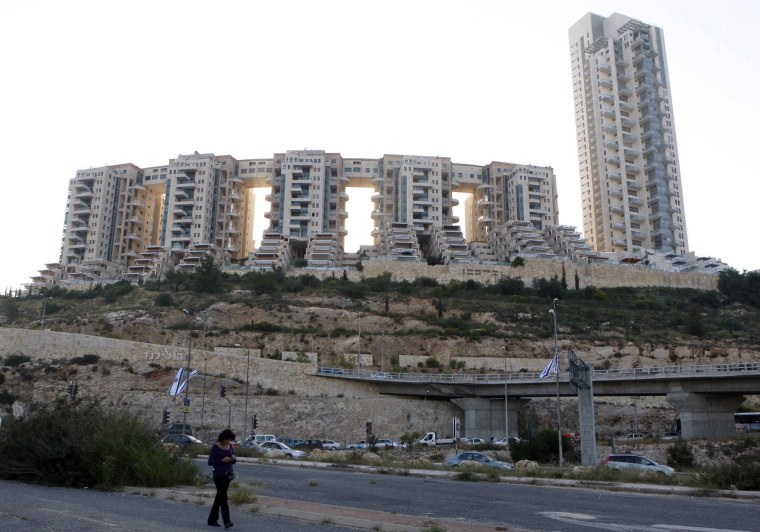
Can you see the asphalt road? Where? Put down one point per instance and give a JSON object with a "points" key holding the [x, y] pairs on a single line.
{"points": [[26, 507], [502, 504], [381, 499]]}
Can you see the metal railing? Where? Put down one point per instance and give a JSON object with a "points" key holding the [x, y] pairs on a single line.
{"points": [[700, 370]]}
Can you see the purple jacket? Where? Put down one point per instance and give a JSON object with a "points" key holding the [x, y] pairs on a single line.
{"points": [[215, 457]]}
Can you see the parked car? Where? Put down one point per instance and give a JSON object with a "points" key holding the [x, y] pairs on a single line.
{"points": [[481, 458], [361, 444], [310, 444], [180, 428], [385, 444], [637, 462], [183, 440], [279, 448], [330, 445], [633, 436], [380, 375], [504, 442], [472, 441], [669, 436], [291, 442]]}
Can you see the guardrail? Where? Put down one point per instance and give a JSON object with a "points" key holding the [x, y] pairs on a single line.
{"points": [[488, 378]]}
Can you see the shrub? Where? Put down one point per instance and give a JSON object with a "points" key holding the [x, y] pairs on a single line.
{"points": [[742, 474], [541, 448], [16, 360], [80, 444], [85, 360], [114, 291], [163, 300], [680, 455]]}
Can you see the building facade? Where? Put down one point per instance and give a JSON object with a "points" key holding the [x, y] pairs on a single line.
{"points": [[627, 152], [139, 222]]}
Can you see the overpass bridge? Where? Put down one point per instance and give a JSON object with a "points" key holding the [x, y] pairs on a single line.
{"points": [[706, 396]]}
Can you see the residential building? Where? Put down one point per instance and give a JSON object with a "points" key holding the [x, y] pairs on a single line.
{"points": [[628, 157]]}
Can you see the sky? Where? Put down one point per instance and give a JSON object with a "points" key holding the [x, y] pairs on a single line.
{"points": [[93, 83]]}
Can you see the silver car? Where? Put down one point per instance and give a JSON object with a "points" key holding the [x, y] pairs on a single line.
{"points": [[279, 448], [637, 462]]}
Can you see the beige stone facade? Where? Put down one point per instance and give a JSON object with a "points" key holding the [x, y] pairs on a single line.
{"points": [[627, 153]]}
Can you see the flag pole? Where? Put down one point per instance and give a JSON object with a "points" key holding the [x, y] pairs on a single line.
{"points": [[556, 370]]}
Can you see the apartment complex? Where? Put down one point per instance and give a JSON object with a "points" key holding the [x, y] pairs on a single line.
{"points": [[627, 151], [130, 222]]}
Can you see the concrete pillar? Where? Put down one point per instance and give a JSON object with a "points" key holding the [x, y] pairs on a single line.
{"points": [[706, 416], [477, 416], [484, 418], [588, 425]]}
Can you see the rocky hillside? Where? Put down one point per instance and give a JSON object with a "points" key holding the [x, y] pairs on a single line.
{"points": [[419, 326]]}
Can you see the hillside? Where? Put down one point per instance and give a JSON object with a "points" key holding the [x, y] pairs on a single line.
{"points": [[417, 326]]}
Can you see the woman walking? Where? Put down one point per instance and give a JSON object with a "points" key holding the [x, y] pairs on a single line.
{"points": [[220, 458]]}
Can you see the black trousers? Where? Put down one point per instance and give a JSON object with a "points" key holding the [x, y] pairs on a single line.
{"points": [[222, 483]]}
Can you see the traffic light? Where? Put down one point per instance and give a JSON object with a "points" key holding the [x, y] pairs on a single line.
{"points": [[73, 388], [369, 427], [255, 422], [165, 418], [222, 390]]}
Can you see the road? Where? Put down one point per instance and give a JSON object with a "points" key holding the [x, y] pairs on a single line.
{"points": [[505, 505], [26, 507], [381, 500]]}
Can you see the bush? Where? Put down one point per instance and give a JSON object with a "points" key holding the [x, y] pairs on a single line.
{"points": [[85, 360], [742, 474], [163, 300], [541, 448], [16, 360], [78, 444], [680, 455], [114, 291]]}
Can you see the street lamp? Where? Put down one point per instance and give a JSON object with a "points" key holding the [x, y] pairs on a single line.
{"points": [[245, 410], [506, 407], [553, 311], [186, 403], [44, 306]]}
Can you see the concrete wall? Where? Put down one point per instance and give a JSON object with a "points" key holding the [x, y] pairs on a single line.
{"points": [[288, 397], [599, 275]]}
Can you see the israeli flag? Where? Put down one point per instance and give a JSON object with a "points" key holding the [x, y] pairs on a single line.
{"points": [[551, 368], [184, 384], [174, 388]]}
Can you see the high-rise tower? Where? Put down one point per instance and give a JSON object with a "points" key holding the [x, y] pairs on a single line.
{"points": [[627, 152]]}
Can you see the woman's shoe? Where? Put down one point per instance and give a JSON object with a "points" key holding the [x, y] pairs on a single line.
{"points": [[213, 524], [228, 524]]}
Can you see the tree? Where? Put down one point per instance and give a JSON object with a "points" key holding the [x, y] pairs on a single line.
{"points": [[207, 277], [176, 277]]}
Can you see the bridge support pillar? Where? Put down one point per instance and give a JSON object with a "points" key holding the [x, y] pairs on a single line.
{"points": [[706, 416], [484, 418]]}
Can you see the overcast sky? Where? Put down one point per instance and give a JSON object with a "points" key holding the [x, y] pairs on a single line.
{"points": [[87, 84]]}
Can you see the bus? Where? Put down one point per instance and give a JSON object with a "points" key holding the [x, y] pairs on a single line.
{"points": [[747, 421]]}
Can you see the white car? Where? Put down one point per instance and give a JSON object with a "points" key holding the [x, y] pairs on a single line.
{"points": [[385, 444], [637, 462], [504, 442], [330, 445], [280, 449]]}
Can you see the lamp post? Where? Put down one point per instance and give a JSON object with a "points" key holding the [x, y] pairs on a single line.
{"points": [[382, 352], [44, 306], [203, 397], [186, 403], [245, 409], [506, 406], [553, 311]]}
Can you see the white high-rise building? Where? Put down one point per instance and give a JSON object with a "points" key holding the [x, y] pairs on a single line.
{"points": [[627, 151]]}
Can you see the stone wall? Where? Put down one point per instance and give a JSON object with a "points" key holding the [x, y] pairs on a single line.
{"points": [[288, 397], [599, 275]]}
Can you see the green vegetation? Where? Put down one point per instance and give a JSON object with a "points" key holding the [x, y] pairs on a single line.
{"points": [[83, 445]]}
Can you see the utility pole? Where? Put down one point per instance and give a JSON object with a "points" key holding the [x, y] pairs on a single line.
{"points": [[556, 355], [186, 403]]}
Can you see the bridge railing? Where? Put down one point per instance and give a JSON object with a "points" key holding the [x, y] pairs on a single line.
{"points": [[486, 378]]}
